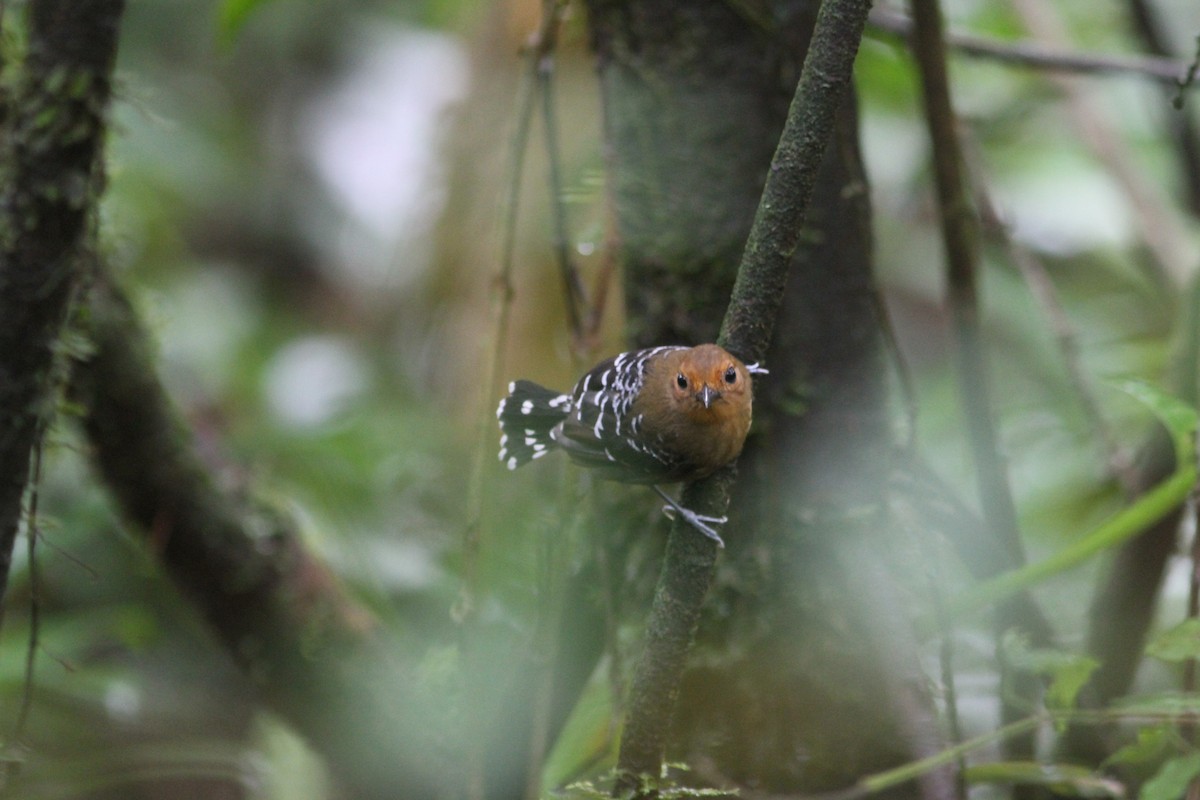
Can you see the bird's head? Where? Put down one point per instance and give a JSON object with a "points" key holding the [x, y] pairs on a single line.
{"points": [[709, 384]]}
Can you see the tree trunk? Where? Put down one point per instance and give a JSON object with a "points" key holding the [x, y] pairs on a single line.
{"points": [[809, 675]]}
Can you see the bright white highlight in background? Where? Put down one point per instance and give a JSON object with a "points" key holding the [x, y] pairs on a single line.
{"points": [[313, 379], [375, 142]]}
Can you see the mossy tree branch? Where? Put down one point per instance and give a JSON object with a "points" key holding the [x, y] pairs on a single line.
{"points": [[314, 653], [690, 559], [55, 137]]}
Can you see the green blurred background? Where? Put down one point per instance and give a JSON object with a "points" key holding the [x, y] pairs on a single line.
{"points": [[307, 199]]}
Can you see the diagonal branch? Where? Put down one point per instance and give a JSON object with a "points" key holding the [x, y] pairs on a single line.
{"points": [[690, 559], [1159, 68], [56, 135], [314, 653]]}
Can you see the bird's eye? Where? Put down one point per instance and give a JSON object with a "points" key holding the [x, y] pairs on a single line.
{"points": [[731, 374], [681, 381]]}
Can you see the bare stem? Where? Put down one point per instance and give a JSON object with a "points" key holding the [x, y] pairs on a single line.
{"points": [[1035, 55]]}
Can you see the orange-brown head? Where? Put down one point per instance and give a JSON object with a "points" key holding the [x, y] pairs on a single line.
{"points": [[699, 402]]}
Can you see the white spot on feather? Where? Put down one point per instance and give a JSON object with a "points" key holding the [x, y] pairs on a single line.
{"points": [[527, 406], [512, 463], [531, 441], [540, 453]]}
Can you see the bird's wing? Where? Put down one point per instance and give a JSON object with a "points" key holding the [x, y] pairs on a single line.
{"points": [[601, 433]]}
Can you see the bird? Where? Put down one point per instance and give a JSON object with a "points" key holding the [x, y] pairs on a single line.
{"points": [[653, 416]]}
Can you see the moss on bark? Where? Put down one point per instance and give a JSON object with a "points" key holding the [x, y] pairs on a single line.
{"points": [[55, 135]]}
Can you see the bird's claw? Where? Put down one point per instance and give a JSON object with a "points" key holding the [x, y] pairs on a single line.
{"points": [[700, 522]]}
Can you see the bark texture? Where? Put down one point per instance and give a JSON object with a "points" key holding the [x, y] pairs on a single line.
{"points": [[694, 101], [795, 688], [55, 136]]}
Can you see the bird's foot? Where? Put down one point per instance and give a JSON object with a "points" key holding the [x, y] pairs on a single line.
{"points": [[700, 522]]}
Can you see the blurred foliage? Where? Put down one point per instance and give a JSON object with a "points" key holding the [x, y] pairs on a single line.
{"points": [[306, 199]]}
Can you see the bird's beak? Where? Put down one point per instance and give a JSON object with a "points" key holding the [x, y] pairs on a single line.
{"points": [[707, 395]]}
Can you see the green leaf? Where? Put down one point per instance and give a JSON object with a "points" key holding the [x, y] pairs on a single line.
{"points": [[1151, 747], [586, 740], [1176, 416], [232, 16], [1068, 672], [1064, 779], [1180, 420], [1176, 644], [1171, 781]]}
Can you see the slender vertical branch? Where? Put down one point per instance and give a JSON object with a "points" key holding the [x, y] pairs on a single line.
{"points": [[960, 235], [1180, 127], [465, 607], [12, 768], [55, 137], [758, 290], [690, 559], [1044, 293], [573, 293]]}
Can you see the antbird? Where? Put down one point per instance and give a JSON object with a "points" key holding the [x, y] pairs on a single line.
{"points": [[653, 416]]}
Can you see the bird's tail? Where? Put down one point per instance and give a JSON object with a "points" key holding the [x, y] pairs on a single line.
{"points": [[527, 417]]}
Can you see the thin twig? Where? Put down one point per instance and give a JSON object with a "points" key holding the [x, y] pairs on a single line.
{"points": [[1044, 293], [960, 236], [1037, 56], [908, 392], [465, 607], [601, 283], [1189, 80], [1157, 221], [1188, 680], [35, 590], [573, 292], [538, 54], [1180, 127], [946, 668]]}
